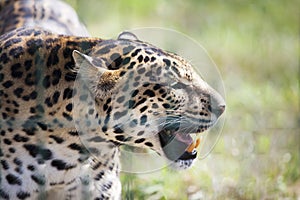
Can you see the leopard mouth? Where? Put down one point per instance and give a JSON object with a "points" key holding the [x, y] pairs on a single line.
{"points": [[178, 146]]}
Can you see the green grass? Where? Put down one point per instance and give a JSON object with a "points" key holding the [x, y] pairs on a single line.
{"points": [[255, 44]]}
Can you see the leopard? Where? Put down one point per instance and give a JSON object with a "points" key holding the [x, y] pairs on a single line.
{"points": [[69, 102]]}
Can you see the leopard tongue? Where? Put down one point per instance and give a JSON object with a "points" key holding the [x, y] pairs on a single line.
{"points": [[188, 140]]}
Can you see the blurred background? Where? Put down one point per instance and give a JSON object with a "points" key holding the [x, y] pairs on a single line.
{"points": [[255, 45]]}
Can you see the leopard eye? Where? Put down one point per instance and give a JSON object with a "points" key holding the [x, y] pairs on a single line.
{"points": [[174, 83], [178, 85]]}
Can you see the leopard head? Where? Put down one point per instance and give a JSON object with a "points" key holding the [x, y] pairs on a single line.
{"points": [[147, 97]]}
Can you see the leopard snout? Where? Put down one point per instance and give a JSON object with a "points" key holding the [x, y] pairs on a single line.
{"points": [[218, 110]]}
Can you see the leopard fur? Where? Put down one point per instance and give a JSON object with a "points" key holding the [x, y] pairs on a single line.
{"points": [[58, 85]]}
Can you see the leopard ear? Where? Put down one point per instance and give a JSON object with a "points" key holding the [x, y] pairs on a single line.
{"points": [[126, 35], [100, 80], [88, 64]]}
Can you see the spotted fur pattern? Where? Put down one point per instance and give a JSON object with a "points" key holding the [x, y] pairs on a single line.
{"points": [[57, 87]]}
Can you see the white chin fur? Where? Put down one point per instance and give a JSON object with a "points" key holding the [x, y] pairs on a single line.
{"points": [[182, 164]]}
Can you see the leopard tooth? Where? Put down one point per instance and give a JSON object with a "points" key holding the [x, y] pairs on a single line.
{"points": [[192, 148], [197, 143], [194, 152]]}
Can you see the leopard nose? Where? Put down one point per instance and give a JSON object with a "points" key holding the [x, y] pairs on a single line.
{"points": [[218, 110]]}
